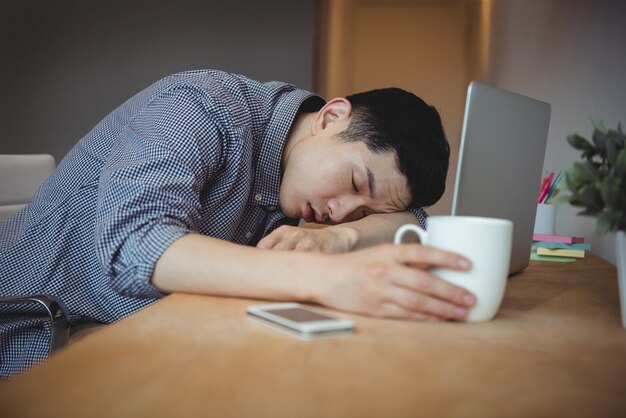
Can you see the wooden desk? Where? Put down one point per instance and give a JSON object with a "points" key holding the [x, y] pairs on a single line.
{"points": [[555, 349]]}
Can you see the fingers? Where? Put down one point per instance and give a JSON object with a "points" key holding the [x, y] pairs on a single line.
{"points": [[426, 305], [394, 311], [422, 281], [305, 244], [427, 283], [288, 238], [283, 238], [410, 285], [424, 256], [267, 243]]}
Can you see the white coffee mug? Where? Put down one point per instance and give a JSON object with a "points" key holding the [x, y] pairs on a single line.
{"points": [[486, 242]]}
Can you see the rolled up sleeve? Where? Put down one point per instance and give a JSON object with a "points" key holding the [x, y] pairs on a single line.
{"points": [[150, 187]]}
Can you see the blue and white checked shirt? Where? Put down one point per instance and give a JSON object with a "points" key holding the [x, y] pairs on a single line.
{"points": [[197, 151]]}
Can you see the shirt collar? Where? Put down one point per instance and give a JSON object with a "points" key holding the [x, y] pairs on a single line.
{"points": [[268, 174]]}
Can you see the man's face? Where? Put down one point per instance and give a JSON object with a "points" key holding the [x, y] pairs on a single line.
{"points": [[326, 180]]}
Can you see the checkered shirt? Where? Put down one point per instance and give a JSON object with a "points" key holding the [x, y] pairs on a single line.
{"points": [[198, 151]]}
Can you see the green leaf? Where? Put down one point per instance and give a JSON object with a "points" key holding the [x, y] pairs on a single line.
{"points": [[597, 182], [575, 201], [588, 155], [591, 198], [600, 139], [598, 126], [569, 181], [587, 212], [579, 143], [611, 151], [610, 191], [572, 181], [585, 171], [618, 137], [619, 169]]}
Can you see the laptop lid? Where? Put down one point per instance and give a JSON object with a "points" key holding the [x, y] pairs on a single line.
{"points": [[500, 162]]}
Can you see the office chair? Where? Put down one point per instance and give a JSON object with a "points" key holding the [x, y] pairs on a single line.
{"points": [[20, 177]]}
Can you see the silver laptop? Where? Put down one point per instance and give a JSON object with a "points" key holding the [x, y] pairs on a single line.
{"points": [[500, 162]]}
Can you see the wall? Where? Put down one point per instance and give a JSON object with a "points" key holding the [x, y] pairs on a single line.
{"points": [[571, 54], [67, 64]]}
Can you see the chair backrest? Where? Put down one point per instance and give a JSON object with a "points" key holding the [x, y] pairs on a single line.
{"points": [[20, 177]]}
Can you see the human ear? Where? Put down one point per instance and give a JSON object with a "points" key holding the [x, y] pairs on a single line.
{"points": [[336, 110]]}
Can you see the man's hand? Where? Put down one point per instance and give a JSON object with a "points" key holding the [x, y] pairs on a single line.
{"points": [[393, 281], [335, 239], [374, 229]]}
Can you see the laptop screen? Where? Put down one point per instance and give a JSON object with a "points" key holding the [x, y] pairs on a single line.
{"points": [[500, 162]]}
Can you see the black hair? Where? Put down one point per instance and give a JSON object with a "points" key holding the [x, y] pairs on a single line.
{"points": [[393, 119]]}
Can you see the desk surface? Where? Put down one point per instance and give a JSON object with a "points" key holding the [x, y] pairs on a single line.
{"points": [[556, 348]]}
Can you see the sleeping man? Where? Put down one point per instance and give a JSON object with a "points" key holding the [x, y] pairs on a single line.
{"points": [[198, 183]]}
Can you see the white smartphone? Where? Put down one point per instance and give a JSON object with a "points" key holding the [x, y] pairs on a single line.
{"points": [[301, 321]]}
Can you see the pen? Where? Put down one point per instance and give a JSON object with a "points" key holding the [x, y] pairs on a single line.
{"points": [[553, 189], [546, 188]]}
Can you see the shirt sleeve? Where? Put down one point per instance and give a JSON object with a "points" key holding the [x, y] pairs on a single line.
{"points": [[150, 187], [421, 216]]}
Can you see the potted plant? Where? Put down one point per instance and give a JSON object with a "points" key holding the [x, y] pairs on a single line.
{"points": [[598, 184]]}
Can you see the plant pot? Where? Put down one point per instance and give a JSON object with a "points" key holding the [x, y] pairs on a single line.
{"points": [[620, 247]]}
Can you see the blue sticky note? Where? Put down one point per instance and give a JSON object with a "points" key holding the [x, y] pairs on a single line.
{"points": [[561, 245]]}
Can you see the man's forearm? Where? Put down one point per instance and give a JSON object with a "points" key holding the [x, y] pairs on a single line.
{"points": [[200, 264], [376, 228], [387, 281]]}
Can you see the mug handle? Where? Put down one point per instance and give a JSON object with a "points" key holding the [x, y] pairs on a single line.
{"points": [[397, 239]]}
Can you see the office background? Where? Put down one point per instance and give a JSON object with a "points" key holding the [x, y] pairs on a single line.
{"points": [[68, 63]]}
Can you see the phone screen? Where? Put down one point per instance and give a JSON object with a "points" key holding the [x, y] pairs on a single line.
{"points": [[299, 315]]}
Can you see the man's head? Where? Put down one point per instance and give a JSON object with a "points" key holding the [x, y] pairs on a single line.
{"points": [[395, 120], [373, 152]]}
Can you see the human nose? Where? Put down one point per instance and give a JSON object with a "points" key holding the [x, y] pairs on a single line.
{"points": [[343, 209]]}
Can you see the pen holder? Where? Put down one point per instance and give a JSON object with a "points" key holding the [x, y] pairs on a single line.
{"points": [[545, 219]]}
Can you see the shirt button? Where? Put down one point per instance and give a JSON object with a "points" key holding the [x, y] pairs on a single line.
{"points": [[258, 197], [248, 235], [272, 208]]}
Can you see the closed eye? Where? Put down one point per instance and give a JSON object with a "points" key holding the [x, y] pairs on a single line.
{"points": [[354, 188]]}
